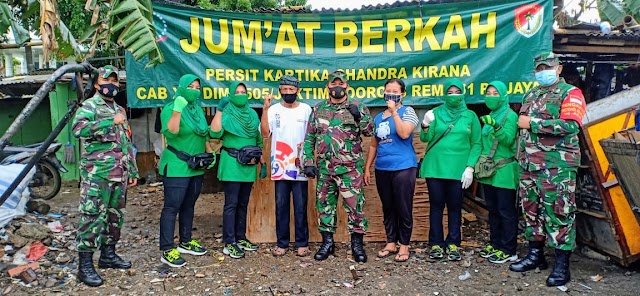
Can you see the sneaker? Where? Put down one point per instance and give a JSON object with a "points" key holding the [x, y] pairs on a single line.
{"points": [[502, 257], [487, 251], [246, 245], [192, 247], [173, 258], [436, 252], [233, 250], [453, 253]]}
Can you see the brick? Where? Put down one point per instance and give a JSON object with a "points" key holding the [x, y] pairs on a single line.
{"points": [[19, 269]]}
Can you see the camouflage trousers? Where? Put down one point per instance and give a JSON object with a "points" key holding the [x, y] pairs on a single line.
{"points": [[101, 204], [549, 205], [350, 187]]}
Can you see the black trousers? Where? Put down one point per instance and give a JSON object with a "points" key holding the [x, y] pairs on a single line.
{"points": [[234, 218], [503, 219], [180, 195], [284, 190], [396, 190], [449, 193]]}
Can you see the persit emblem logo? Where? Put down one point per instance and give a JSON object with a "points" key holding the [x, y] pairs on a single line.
{"points": [[528, 19]]}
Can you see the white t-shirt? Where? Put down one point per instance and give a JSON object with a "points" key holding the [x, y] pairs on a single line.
{"points": [[288, 128]]}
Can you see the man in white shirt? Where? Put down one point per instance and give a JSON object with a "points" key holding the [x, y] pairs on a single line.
{"points": [[286, 123]]}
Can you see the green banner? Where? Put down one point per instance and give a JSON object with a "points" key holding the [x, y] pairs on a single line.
{"points": [[424, 45]]}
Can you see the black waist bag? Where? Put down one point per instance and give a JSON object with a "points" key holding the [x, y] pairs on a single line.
{"points": [[199, 161], [246, 154]]}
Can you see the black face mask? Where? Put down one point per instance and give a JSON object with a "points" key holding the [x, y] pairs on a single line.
{"points": [[108, 90], [289, 98], [337, 92]]}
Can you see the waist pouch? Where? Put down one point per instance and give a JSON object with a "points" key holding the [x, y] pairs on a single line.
{"points": [[245, 155], [487, 166], [199, 161]]}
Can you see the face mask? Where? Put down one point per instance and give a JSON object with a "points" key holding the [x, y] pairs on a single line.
{"points": [[453, 101], [190, 94], [493, 102], [108, 90], [547, 77], [337, 92], [393, 97], [239, 100], [289, 98]]}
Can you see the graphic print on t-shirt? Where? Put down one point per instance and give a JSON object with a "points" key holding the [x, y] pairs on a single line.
{"points": [[383, 131], [282, 162]]}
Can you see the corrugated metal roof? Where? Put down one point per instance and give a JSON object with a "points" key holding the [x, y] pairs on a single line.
{"points": [[593, 30]]}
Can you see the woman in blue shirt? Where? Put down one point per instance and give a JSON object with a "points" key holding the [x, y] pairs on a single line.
{"points": [[395, 168]]}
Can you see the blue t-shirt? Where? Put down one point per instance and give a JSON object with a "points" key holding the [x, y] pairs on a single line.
{"points": [[395, 153]]}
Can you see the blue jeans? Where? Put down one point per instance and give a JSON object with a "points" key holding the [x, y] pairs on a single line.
{"points": [[284, 190], [234, 218], [180, 195], [445, 192]]}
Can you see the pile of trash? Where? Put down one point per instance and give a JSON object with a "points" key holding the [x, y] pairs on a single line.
{"points": [[36, 250]]}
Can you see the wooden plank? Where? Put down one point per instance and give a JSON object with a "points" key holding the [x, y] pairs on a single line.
{"points": [[261, 212]]}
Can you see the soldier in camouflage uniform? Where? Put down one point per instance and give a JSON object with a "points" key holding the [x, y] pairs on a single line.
{"points": [[334, 130], [107, 167], [549, 153]]}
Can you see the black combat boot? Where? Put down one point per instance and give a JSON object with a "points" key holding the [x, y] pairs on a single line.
{"points": [[86, 273], [357, 247], [560, 274], [534, 259], [109, 258], [327, 248]]}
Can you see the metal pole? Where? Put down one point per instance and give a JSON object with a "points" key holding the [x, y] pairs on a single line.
{"points": [[38, 97], [44, 89], [56, 131]]}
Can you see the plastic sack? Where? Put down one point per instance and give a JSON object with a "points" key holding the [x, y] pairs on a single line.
{"points": [[15, 205]]}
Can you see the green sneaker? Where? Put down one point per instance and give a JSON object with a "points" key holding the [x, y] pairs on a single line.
{"points": [[192, 247], [453, 253], [233, 250], [173, 258], [487, 251], [246, 245], [436, 252], [502, 257]]}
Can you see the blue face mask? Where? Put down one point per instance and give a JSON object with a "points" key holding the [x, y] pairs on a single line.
{"points": [[547, 77], [394, 97]]}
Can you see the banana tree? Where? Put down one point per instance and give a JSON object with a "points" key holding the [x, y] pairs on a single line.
{"points": [[126, 23], [614, 11]]}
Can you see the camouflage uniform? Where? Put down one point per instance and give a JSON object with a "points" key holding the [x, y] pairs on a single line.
{"points": [[335, 135], [106, 164], [549, 153]]}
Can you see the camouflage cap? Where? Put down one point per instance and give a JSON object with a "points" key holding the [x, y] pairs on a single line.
{"points": [[289, 80], [338, 75], [107, 71], [546, 58]]}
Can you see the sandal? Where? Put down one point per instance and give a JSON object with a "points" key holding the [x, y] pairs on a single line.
{"points": [[404, 257], [278, 252], [303, 252], [387, 254]]}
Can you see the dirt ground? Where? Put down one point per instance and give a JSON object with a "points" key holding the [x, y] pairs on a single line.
{"points": [[259, 273]]}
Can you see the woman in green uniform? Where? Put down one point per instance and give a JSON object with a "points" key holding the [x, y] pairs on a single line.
{"points": [[499, 175], [239, 128], [185, 128], [453, 134]]}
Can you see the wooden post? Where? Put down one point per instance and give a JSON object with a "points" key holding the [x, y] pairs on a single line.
{"points": [[261, 211], [588, 80], [58, 103]]}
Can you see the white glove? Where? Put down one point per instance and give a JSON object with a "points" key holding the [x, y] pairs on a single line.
{"points": [[467, 177], [428, 118]]}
